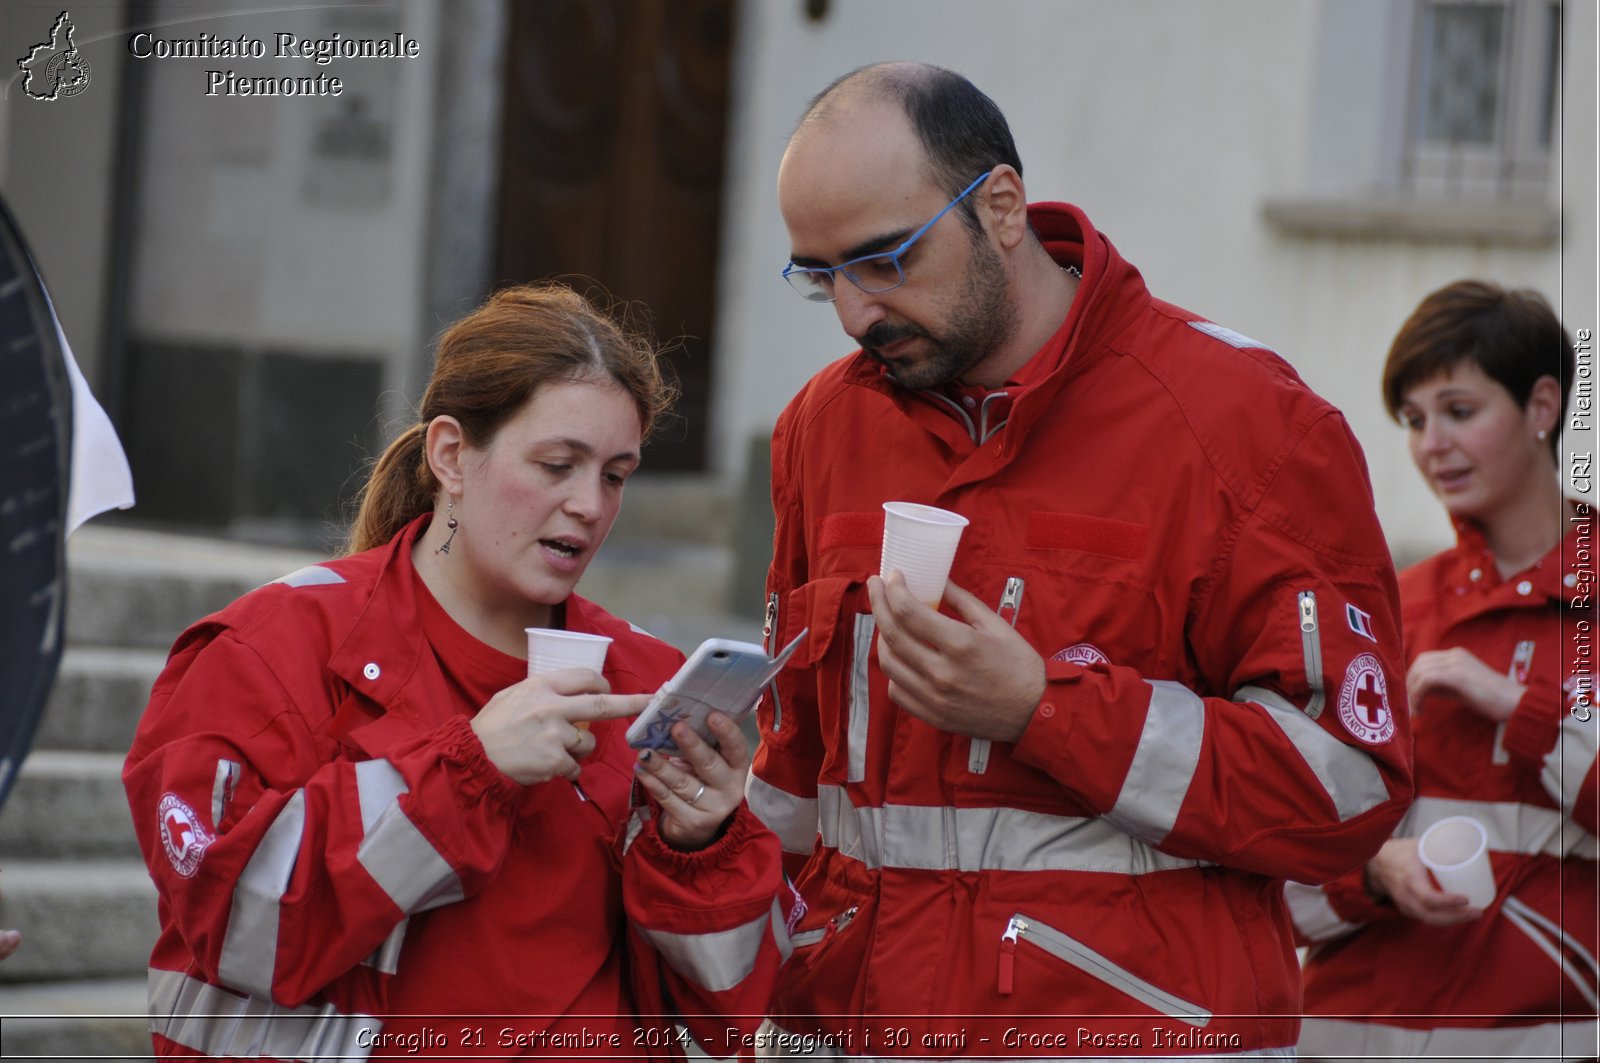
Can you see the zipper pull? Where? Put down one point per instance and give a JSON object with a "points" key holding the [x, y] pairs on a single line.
{"points": [[830, 928], [1008, 953], [1011, 600], [769, 626], [1308, 611]]}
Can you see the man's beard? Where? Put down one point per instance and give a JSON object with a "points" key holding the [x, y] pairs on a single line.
{"points": [[978, 326]]}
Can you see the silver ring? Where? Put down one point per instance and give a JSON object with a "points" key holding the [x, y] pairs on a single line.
{"points": [[698, 794]]}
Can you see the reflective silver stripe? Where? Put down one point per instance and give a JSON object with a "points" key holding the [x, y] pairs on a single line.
{"points": [[1227, 335], [386, 957], [1512, 828], [1550, 939], [377, 786], [310, 576], [860, 699], [1071, 951], [1313, 916], [954, 406], [250, 946], [780, 932], [1566, 765], [715, 962], [636, 821], [222, 789], [214, 1022], [1341, 1040], [395, 853], [936, 838], [1348, 776], [986, 430], [793, 819], [1163, 764]]}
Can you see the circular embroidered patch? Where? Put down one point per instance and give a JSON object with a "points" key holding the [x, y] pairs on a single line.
{"points": [[182, 836], [1364, 701], [1084, 653]]}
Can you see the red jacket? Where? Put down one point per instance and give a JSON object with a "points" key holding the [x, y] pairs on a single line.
{"points": [[1189, 523], [342, 870], [1524, 973]]}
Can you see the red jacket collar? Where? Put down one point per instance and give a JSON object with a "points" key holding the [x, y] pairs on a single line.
{"points": [[1555, 575]]}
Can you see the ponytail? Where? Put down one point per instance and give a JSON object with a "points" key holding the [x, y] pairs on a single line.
{"points": [[400, 489]]}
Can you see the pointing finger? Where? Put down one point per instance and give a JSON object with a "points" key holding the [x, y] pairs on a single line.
{"points": [[607, 706]]}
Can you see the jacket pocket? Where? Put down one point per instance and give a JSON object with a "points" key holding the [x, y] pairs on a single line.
{"points": [[826, 680], [1024, 930]]}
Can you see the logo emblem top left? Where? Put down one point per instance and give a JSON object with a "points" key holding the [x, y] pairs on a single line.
{"points": [[55, 68]]}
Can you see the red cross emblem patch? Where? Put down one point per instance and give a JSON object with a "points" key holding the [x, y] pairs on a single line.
{"points": [[1364, 701], [182, 836]]}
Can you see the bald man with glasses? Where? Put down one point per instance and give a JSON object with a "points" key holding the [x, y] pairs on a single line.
{"points": [[1052, 817]]}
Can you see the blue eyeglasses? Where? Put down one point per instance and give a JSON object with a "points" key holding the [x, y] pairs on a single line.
{"points": [[881, 272]]}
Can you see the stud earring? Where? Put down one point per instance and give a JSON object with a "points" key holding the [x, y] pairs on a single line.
{"points": [[451, 523], [1542, 435]]}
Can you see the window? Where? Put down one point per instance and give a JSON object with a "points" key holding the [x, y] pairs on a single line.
{"points": [[1433, 120], [1482, 99]]}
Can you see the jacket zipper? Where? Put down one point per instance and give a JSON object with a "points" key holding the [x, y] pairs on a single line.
{"points": [[769, 640], [1091, 963], [1311, 648], [823, 933], [1010, 606]]}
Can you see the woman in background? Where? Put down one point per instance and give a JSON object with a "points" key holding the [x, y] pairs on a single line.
{"points": [[361, 813], [1501, 696]]}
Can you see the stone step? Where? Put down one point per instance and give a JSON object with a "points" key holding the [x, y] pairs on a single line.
{"points": [[95, 1019], [680, 507], [130, 587], [79, 919], [99, 695], [68, 804], [667, 588], [138, 589]]}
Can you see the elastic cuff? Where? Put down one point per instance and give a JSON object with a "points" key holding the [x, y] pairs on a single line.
{"points": [[462, 752], [736, 830], [1534, 727], [1352, 898]]}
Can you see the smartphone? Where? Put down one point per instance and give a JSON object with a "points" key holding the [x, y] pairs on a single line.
{"points": [[720, 674]]}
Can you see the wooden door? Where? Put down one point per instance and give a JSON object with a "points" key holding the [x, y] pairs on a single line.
{"points": [[611, 170]]}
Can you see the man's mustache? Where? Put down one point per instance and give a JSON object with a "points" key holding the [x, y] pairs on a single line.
{"points": [[883, 334]]}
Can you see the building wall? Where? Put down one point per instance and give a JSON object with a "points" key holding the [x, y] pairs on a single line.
{"points": [[1175, 124], [1172, 124], [57, 162]]}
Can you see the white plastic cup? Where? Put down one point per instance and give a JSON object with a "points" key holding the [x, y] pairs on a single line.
{"points": [[920, 543], [1456, 850], [550, 650]]}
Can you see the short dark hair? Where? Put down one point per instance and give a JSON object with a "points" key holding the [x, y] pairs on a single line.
{"points": [[1513, 336], [961, 129]]}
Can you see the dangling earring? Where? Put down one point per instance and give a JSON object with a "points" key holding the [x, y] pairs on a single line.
{"points": [[451, 523]]}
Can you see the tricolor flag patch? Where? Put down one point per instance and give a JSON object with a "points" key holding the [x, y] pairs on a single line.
{"points": [[1360, 623]]}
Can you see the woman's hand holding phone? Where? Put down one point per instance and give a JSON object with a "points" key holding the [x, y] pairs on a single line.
{"points": [[699, 789]]}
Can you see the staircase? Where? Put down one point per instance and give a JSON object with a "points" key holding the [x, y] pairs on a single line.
{"points": [[71, 878]]}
